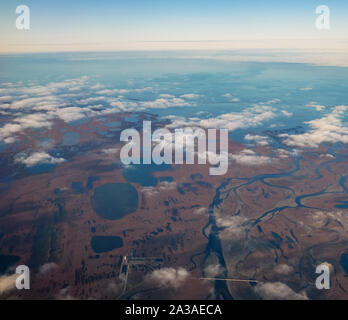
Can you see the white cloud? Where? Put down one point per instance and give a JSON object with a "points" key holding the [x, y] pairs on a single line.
{"points": [[327, 129], [45, 120], [48, 268], [326, 155], [73, 113], [43, 95], [97, 86], [111, 151], [233, 226], [340, 109], [115, 288], [282, 153], [249, 157], [37, 158], [90, 100], [167, 186], [7, 283], [190, 96], [259, 140], [36, 120], [110, 92], [214, 270], [272, 101], [58, 100], [287, 114], [64, 294], [163, 103], [35, 102], [5, 98], [161, 187], [169, 277], [317, 107], [284, 269], [19, 124], [166, 96], [122, 106], [251, 117], [200, 211], [230, 97], [49, 102], [150, 191], [278, 291]]}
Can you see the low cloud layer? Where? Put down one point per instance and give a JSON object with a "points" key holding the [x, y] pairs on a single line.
{"points": [[34, 106]]}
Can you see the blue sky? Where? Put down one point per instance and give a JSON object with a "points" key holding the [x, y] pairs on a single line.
{"points": [[159, 24]]}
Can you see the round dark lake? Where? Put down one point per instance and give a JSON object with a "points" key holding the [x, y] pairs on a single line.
{"points": [[106, 244], [113, 201]]}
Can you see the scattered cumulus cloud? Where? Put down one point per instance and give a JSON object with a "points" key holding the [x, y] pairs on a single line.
{"points": [[64, 294], [278, 291], [249, 157], [111, 92], [257, 139], [5, 98], [233, 226], [163, 186], [316, 106], [111, 151], [7, 283], [201, 210], [48, 268], [251, 117], [115, 288], [163, 103], [190, 96], [38, 106], [230, 97], [37, 158], [287, 113], [329, 129], [169, 277], [214, 270], [283, 269]]}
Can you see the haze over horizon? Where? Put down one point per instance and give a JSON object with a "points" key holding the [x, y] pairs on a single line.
{"points": [[184, 25]]}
